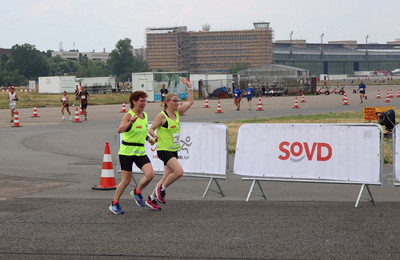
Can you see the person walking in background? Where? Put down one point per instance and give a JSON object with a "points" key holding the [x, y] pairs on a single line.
{"points": [[76, 94], [168, 141], [249, 94], [163, 92], [237, 97], [134, 135], [263, 89], [12, 101], [361, 89], [84, 97], [65, 104]]}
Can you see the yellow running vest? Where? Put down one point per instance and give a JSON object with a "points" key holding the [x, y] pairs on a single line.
{"points": [[135, 137], [169, 138]]}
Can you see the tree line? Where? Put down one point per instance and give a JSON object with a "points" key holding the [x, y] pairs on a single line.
{"points": [[26, 63]]}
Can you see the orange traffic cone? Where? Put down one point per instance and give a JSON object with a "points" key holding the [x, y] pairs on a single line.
{"points": [[302, 98], [183, 114], [35, 114], [345, 99], [107, 180], [76, 117], [391, 93], [219, 110], [387, 99], [379, 95], [398, 93], [296, 105], [123, 110], [259, 105], [259, 100], [80, 110], [206, 104], [16, 120]]}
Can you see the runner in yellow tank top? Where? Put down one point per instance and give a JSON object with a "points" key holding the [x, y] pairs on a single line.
{"points": [[134, 135], [168, 140]]}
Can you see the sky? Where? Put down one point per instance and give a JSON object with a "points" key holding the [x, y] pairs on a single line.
{"points": [[94, 25]]}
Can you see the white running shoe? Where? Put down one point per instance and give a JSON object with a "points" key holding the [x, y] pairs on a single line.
{"points": [[63, 118], [70, 118]]}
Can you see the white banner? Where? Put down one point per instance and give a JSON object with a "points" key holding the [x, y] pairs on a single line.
{"points": [[203, 150], [320, 152]]}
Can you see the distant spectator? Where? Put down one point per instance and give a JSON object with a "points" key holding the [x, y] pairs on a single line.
{"points": [[249, 94], [84, 97], [361, 88], [163, 92], [237, 97], [12, 99]]}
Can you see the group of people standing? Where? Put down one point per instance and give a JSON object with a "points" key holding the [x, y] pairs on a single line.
{"points": [[135, 132], [81, 96], [237, 95]]}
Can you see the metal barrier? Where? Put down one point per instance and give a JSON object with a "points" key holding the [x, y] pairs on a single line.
{"points": [[314, 153]]}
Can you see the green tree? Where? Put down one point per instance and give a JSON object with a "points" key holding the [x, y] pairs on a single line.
{"points": [[28, 61], [123, 63]]}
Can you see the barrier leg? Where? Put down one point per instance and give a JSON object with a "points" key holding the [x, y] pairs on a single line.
{"points": [[133, 178], [251, 190], [370, 198], [209, 185]]}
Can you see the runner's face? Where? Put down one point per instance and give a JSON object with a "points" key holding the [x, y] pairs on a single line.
{"points": [[174, 103], [140, 104]]}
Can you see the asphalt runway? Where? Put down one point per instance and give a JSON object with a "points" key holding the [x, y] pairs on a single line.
{"points": [[49, 211]]}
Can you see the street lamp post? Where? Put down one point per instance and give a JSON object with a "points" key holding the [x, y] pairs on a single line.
{"points": [[322, 40], [366, 45], [291, 50]]}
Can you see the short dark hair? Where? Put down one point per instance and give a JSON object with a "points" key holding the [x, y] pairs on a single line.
{"points": [[135, 96]]}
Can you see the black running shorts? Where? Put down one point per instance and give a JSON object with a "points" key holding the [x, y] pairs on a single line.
{"points": [[127, 161], [166, 155]]}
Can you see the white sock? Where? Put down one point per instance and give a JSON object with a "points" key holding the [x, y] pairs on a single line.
{"points": [[163, 187], [152, 197]]}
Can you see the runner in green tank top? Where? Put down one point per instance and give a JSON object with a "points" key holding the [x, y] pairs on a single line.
{"points": [[134, 135], [168, 139]]}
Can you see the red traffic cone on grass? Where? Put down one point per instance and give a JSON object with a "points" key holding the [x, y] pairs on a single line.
{"points": [[16, 120], [35, 114], [107, 179]]}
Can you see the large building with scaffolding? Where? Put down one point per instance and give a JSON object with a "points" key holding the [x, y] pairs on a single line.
{"points": [[177, 49]]}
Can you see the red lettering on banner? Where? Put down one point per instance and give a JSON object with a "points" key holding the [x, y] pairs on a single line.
{"points": [[319, 153], [293, 151], [309, 153], [283, 150], [296, 149]]}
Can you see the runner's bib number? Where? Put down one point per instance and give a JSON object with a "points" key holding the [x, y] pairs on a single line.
{"points": [[176, 138]]}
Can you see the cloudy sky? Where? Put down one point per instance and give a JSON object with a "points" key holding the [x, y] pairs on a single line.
{"points": [[97, 24]]}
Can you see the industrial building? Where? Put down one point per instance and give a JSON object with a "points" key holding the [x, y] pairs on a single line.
{"points": [[338, 57], [205, 51]]}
